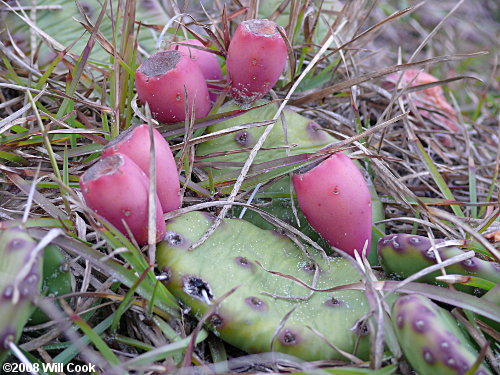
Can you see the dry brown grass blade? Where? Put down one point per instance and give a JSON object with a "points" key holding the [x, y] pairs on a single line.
{"points": [[279, 10], [39, 198], [225, 28], [152, 197], [8, 122], [435, 30]]}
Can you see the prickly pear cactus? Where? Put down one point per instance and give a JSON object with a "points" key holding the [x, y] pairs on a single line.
{"points": [[20, 280], [56, 279], [431, 339], [250, 317], [402, 255], [303, 132]]}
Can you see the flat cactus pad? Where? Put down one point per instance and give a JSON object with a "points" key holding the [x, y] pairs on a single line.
{"points": [[253, 317]]}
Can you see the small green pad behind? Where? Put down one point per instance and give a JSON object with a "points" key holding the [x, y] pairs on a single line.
{"points": [[249, 318]]}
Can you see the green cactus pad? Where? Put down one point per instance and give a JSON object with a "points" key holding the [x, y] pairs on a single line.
{"points": [[56, 279], [249, 317], [301, 131], [20, 282], [493, 296], [431, 339], [402, 255]]}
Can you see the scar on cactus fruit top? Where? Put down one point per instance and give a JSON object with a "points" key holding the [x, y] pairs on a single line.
{"points": [[106, 166], [261, 27], [160, 63]]}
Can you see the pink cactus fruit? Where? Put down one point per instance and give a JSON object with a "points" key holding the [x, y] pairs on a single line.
{"points": [[117, 189], [255, 59], [207, 62], [440, 111], [335, 200], [135, 144], [160, 81]]}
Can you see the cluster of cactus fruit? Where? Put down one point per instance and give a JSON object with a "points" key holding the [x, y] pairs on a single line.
{"points": [[266, 311], [117, 186], [336, 198], [255, 60]]}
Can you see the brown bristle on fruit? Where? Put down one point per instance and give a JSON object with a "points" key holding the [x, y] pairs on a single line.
{"points": [[160, 63]]}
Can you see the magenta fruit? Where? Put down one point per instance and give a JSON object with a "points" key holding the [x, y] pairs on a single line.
{"points": [[255, 59], [135, 144], [117, 189], [207, 62], [335, 199], [160, 82]]}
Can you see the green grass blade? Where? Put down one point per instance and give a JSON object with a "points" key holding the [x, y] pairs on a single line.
{"points": [[72, 351], [127, 302], [164, 351], [438, 179], [98, 342]]}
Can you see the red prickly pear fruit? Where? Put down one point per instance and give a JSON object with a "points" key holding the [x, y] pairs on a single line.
{"points": [[335, 200], [431, 102], [117, 189], [160, 82], [135, 144], [255, 59], [206, 61]]}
